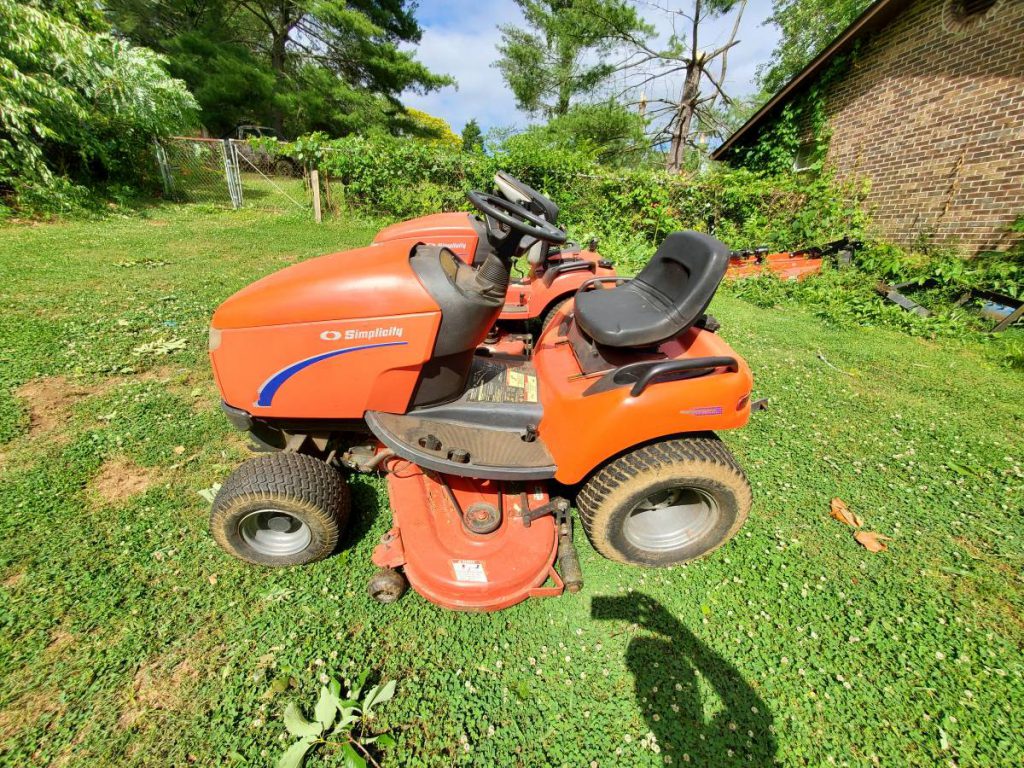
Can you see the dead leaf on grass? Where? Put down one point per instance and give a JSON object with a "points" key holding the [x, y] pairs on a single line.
{"points": [[871, 541], [842, 513]]}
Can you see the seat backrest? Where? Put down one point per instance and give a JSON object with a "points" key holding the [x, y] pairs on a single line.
{"points": [[685, 273]]}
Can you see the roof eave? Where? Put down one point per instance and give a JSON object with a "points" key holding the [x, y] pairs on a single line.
{"points": [[873, 16]]}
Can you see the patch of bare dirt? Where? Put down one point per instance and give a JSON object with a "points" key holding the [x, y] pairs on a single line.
{"points": [[59, 639], [161, 373], [14, 579], [26, 710], [50, 400], [119, 479], [157, 688]]}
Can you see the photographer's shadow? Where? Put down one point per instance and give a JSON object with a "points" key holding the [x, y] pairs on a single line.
{"points": [[674, 672]]}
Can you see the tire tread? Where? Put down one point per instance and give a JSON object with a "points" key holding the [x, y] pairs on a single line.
{"points": [[704, 454], [301, 480]]}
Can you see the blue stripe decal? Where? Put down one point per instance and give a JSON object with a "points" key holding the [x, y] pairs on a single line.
{"points": [[269, 388]]}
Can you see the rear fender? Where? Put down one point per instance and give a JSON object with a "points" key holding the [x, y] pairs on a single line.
{"points": [[582, 431]]}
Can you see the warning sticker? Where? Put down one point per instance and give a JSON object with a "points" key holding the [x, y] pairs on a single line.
{"points": [[502, 384], [469, 570], [531, 389]]}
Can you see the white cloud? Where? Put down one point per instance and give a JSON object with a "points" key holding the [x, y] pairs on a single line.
{"points": [[461, 39]]}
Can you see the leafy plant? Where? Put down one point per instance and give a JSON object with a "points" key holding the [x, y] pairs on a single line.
{"points": [[77, 105], [403, 178], [335, 721]]}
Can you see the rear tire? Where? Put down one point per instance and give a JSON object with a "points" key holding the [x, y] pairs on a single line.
{"points": [[665, 503], [280, 510], [550, 312]]}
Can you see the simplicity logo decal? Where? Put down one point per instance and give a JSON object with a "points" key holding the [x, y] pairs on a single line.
{"points": [[394, 332], [267, 390]]}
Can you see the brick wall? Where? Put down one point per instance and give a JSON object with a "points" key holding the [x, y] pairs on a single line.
{"points": [[932, 111]]}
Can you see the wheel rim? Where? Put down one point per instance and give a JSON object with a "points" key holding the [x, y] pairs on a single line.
{"points": [[671, 518], [274, 532]]}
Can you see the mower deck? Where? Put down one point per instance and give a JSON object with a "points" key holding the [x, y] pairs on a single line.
{"points": [[454, 567]]}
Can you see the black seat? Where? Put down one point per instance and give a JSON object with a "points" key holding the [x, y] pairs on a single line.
{"points": [[668, 296]]}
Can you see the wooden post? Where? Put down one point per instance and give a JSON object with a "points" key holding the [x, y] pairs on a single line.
{"points": [[314, 182]]}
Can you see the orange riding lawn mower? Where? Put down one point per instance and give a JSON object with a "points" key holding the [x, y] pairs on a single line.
{"points": [[487, 403]]}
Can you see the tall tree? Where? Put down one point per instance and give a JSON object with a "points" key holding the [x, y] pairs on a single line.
{"points": [[680, 117], [561, 56], [333, 65], [358, 41], [472, 136], [807, 27]]}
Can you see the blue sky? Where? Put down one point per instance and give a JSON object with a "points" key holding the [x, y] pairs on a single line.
{"points": [[460, 39]]}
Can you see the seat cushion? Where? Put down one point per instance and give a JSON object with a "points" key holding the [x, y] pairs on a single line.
{"points": [[628, 315], [667, 297]]}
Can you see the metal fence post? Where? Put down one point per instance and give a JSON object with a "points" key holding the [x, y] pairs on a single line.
{"points": [[231, 174], [165, 169]]}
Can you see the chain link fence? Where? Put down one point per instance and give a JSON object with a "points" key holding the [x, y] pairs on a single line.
{"points": [[231, 172]]}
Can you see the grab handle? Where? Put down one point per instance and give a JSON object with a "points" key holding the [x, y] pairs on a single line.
{"points": [[587, 285], [677, 366]]}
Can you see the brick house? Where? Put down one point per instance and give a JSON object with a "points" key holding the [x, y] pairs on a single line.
{"points": [[927, 103]]}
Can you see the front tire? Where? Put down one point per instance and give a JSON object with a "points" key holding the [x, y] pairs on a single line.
{"points": [[665, 503], [280, 510]]}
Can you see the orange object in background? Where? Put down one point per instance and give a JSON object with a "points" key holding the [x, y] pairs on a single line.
{"points": [[787, 265]]}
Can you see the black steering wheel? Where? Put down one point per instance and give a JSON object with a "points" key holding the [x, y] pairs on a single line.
{"points": [[515, 217]]}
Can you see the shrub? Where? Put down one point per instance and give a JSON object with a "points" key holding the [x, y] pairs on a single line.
{"points": [[77, 105], [402, 177]]}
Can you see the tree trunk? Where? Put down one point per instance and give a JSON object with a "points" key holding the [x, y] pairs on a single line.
{"points": [[277, 62], [684, 117], [565, 70]]}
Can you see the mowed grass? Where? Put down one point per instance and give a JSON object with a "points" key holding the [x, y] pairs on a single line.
{"points": [[127, 638]]}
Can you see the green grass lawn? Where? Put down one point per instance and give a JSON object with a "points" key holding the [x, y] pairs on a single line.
{"points": [[127, 638]]}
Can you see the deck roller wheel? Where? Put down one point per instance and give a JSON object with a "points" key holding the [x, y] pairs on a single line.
{"points": [[281, 509], [387, 585], [665, 503]]}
